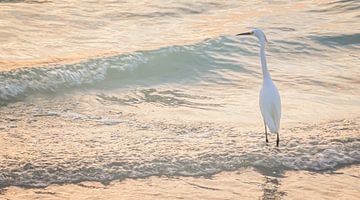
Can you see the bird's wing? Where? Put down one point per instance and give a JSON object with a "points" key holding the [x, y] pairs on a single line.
{"points": [[270, 106]]}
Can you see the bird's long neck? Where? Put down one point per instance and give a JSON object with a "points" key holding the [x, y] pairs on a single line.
{"points": [[265, 71]]}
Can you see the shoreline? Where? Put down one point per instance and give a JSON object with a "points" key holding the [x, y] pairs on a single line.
{"points": [[343, 183]]}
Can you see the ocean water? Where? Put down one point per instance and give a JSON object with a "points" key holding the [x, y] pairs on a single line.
{"points": [[114, 90]]}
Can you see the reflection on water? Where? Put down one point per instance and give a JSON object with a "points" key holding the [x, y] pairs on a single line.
{"points": [[271, 189], [99, 137], [245, 184], [142, 89], [67, 31], [172, 98]]}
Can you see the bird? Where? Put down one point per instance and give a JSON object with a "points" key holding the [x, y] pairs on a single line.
{"points": [[269, 98]]}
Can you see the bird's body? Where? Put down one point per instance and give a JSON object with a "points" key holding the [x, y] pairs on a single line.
{"points": [[270, 105], [269, 99]]}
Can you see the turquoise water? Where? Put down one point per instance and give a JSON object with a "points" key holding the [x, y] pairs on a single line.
{"points": [[169, 90]]}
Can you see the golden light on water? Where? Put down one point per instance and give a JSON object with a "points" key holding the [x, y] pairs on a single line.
{"points": [[65, 32], [159, 99]]}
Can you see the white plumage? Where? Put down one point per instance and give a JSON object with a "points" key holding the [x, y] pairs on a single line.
{"points": [[270, 105], [269, 100]]}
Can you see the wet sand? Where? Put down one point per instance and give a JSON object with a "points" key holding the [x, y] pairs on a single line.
{"points": [[244, 184], [159, 100]]}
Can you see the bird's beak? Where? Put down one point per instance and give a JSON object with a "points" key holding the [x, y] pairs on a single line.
{"points": [[247, 33]]}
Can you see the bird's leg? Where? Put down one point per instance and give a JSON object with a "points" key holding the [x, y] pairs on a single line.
{"points": [[266, 133], [277, 139]]}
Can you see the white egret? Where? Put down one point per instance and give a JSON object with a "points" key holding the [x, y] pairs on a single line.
{"points": [[269, 100]]}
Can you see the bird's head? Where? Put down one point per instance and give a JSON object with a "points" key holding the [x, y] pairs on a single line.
{"points": [[257, 33]]}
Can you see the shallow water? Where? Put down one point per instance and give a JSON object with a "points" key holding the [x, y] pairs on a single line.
{"points": [[116, 90], [242, 184]]}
